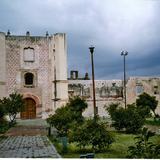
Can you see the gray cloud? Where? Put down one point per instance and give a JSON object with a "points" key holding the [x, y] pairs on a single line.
{"points": [[111, 26]]}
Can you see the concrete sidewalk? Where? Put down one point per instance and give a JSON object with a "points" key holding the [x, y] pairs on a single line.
{"points": [[27, 147], [28, 128], [28, 139]]}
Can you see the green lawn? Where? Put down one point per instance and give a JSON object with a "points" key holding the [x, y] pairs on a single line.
{"points": [[117, 150]]}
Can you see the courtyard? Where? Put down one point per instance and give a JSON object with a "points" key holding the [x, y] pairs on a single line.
{"points": [[28, 139]]}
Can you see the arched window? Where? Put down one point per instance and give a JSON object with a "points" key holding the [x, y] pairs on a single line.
{"points": [[28, 77]]}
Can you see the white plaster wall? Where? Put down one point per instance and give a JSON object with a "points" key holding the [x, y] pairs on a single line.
{"points": [[2, 66]]}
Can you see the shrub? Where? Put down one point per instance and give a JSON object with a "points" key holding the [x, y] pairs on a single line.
{"points": [[2, 110], [4, 126], [61, 120], [129, 119], [143, 147], [147, 103], [133, 119], [13, 104], [91, 133], [117, 115], [3, 122], [65, 116]]}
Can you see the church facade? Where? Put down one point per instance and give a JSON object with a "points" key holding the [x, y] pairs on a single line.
{"points": [[36, 67]]}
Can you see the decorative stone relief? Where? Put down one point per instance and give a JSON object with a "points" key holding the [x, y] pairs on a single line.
{"points": [[28, 54]]}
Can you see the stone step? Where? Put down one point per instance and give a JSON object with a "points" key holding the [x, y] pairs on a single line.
{"points": [[27, 131]]}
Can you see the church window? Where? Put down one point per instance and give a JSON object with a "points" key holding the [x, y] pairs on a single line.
{"points": [[29, 77]]}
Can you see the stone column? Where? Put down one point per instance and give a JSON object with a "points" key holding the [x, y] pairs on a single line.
{"points": [[60, 83]]}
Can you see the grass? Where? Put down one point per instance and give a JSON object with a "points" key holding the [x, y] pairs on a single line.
{"points": [[117, 150], [151, 121]]}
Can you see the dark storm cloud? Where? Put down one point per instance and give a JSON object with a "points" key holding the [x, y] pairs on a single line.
{"points": [[111, 26]]}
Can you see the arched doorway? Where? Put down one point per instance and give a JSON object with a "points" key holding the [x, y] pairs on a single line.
{"points": [[29, 109]]}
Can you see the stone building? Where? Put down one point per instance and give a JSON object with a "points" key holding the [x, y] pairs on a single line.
{"points": [[107, 91], [35, 66], [137, 85], [111, 91]]}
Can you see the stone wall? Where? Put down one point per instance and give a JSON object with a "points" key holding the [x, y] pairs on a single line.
{"points": [[44, 59], [107, 92], [138, 85], [111, 91]]}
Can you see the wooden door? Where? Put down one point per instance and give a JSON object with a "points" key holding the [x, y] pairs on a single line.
{"points": [[29, 109]]}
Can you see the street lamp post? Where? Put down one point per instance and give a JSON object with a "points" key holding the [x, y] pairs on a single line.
{"points": [[93, 83], [124, 54]]}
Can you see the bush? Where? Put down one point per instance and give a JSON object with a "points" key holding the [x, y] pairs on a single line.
{"points": [[129, 119], [4, 125], [13, 105], [2, 110], [147, 103], [118, 116], [143, 147], [66, 116], [61, 120], [91, 133], [134, 120]]}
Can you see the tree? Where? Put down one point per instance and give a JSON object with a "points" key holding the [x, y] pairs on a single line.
{"points": [[65, 116], [117, 115], [133, 119], [76, 106], [143, 147], [61, 120], [13, 105], [147, 103], [129, 119], [91, 133]]}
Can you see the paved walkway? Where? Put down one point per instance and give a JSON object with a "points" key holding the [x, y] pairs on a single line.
{"points": [[28, 128], [27, 140]]}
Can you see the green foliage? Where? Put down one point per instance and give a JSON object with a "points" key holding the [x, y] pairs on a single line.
{"points": [[61, 120], [66, 116], [76, 106], [91, 133], [147, 103], [117, 115], [152, 122], [4, 125], [143, 147], [2, 110], [3, 122], [134, 120], [13, 105], [129, 119]]}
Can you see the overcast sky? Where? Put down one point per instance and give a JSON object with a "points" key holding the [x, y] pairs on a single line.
{"points": [[109, 25]]}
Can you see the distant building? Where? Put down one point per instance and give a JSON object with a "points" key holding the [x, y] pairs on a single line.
{"points": [[111, 91], [107, 91], [35, 66]]}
